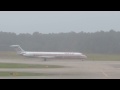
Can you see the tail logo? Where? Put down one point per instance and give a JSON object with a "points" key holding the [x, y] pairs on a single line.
{"points": [[18, 49]]}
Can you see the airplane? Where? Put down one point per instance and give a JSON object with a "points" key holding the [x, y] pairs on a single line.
{"points": [[47, 55]]}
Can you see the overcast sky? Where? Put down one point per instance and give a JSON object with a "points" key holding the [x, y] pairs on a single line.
{"points": [[58, 21]]}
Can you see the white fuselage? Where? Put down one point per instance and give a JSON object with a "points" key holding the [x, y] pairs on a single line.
{"points": [[54, 54], [48, 54]]}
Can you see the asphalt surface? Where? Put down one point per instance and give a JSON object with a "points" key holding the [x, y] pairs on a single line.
{"points": [[75, 69]]}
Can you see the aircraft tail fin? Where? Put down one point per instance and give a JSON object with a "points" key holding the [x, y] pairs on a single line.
{"points": [[17, 48]]}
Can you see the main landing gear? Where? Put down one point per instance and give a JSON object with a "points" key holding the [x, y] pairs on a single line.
{"points": [[82, 59], [44, 59]]}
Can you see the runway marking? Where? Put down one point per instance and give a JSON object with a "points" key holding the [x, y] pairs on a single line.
{"points": [[102, 71]]}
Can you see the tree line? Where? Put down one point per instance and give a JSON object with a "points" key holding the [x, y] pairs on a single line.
{"points": [[85, 42]]}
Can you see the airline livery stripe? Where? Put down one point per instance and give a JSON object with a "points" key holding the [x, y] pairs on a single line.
{"points": [[57, 55]]}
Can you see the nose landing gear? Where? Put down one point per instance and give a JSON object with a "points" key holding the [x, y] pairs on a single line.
{"points": [[44, 59]]}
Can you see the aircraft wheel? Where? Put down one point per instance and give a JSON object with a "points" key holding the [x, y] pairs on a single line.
{"points": [[44, 59]]}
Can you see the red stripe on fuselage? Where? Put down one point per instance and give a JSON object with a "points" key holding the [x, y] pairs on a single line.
{"points": [[59, 55]]}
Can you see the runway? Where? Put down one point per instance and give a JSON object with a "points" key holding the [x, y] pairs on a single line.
{"points": [[75, 69]]}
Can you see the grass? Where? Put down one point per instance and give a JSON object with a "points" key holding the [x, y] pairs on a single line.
{"points": [[104, 57], [17, 65], [10, 55], [2, 73]]}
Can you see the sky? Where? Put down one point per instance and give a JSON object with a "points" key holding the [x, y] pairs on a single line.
{"points": [[58, 21]]}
